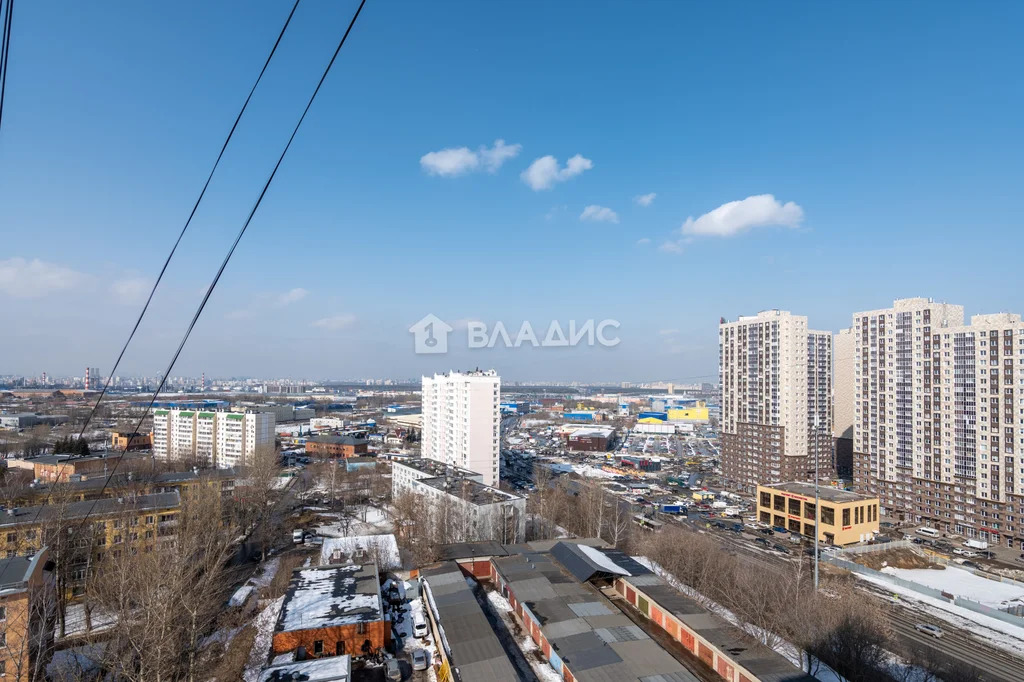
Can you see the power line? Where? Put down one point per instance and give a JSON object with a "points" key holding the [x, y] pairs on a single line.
{"points": [[5, 54], [231, 251], [174, 248]]}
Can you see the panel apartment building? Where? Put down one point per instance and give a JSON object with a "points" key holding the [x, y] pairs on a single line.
{"points": [[461, 419], [939, 418], [776, 378], [218, 439]]}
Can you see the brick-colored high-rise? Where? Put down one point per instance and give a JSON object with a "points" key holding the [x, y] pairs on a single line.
{"points": [[776, 379], [938, 420]]}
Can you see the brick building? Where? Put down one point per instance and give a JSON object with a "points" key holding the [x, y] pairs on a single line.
{"points": [[337, 446], [331, 611], [26, 614]]}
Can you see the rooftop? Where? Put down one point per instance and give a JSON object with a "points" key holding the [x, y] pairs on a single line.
{"points": [[824, 492], [471, 491], [340, 440], [329, 596], [359, 548], [475, 649], [589, 633], [106, 506], [436, 468]]}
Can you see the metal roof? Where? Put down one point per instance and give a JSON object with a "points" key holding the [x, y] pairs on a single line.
{"points": [[476, 652]]}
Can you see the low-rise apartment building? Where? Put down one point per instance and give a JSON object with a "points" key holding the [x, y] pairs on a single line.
{"points": [[138, 522], [67, 467], [120, 440], [218, 438], [846, 517], [490, 513], [26, 615]]}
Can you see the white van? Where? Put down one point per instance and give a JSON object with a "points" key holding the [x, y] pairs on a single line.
{"points": [[929, 532], [419, 626]]}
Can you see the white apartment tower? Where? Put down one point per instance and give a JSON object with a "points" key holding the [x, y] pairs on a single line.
{"points": [[939, 417], [776, 379], [461, 421], [218, 439]]}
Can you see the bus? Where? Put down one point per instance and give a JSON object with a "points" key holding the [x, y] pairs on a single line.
{"points": [[929, 532]]}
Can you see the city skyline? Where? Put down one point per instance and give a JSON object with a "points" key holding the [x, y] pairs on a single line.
{"points": [[703, 211]]}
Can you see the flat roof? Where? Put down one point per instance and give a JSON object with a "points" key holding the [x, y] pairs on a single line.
{"points": [[826, 493], [471, 491], [475, 649], [340, 440], [17, 516], [436, 468], [328, 596]]}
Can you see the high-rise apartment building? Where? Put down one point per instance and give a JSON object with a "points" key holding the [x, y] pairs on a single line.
{"points": [[776, 379], [842, 402], [218, 439], [461, 421], [938, 418]]}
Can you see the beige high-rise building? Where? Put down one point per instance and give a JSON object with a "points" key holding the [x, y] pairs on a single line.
{"points": [[776, 378], [842, 402], [938, 418], [461, 419]]}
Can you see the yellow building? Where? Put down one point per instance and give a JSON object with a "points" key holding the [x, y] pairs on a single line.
{"points": [[846, 517], [138, 522], [697, 413]]}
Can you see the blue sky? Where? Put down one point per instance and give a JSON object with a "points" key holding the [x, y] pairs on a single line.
{"points": [[861, 121]]}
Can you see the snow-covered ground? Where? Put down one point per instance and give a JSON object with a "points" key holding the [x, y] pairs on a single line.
{"points": [[953, 580], [999, 633], [543, 671], [75, 663], [403, 627], [269, 570], [376, 523], [591, 472], [264, 625], [74, 621]]}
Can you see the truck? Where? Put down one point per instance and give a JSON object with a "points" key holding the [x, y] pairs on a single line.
{"points": [[976, 544], [671, 509]]}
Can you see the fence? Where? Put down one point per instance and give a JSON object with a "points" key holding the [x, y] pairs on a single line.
{"points": [[928, 591]]}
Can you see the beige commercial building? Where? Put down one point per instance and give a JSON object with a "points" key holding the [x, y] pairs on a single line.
{"points": [[846, 517], [776, 378], [938, 418]]}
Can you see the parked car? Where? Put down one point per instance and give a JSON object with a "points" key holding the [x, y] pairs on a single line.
{"points": [[766, 531], [928, 629], [970, 564], [780, 548], [762, 541], [737, 527], [392, 671], [779, 529], [420, 628], [297, 536], [419, 659]]}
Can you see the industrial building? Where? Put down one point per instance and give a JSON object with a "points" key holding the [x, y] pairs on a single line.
{"points": [[460, 421], [337, 446], [219, 438], [332, 611], [590, 439], [846, 517], [591, 613]]}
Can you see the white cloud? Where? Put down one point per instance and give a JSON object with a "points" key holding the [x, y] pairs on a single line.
{"points": [[644, 199], [20, 278], [643, 240], [544, 172], [599, 214], [335, 322], [291, 296], [671, 246], [737, 216], [131, 289], [460, 160]]}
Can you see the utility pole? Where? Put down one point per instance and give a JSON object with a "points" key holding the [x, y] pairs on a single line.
{"points": [[817, 500]]}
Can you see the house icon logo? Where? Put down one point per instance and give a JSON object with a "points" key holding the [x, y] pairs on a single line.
{"points": [[431, 335]]}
